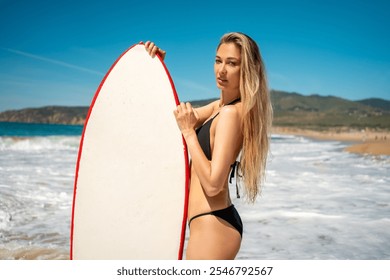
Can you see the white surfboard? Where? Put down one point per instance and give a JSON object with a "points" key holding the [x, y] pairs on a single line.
{"points": [[131, 185]]}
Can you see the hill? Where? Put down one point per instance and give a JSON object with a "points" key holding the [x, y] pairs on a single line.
{"points": [[290, 109], [376, 103], [50, 114], [322, 112]]}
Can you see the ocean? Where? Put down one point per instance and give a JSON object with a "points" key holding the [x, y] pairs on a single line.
{"points": [[318, 202]]}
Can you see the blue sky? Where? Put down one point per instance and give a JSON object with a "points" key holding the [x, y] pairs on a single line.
{"points": [[57, 52]]}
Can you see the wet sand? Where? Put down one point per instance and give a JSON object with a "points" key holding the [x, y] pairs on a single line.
{"points": [[371, 142], [34, 253]]}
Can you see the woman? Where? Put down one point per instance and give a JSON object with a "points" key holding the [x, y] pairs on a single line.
{"points": [[215, 134]]}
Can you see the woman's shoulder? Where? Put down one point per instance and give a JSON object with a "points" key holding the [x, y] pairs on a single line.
{"points": [[232, 110], [230, 113]]}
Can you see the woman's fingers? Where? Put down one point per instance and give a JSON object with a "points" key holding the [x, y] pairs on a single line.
{"points": [[149, 48], [184, 108], [152, 49], [189, 107]]}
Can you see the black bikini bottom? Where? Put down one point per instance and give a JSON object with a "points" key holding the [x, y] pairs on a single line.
{"points": [[228, 214]]}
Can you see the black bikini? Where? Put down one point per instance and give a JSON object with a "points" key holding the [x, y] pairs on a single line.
{"points": [[203, 133], [229, 214]]}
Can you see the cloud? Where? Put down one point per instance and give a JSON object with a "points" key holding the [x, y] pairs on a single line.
{"points": [[54, 61]]}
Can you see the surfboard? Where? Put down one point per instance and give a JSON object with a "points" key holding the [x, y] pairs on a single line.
{"points": [[132, 173]]}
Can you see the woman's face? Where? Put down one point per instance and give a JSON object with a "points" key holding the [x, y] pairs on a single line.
{"points": [[227, 67]]}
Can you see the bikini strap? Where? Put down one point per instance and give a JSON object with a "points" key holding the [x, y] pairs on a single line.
{"points": [[234, 171], [200, 215], [234, 101]]}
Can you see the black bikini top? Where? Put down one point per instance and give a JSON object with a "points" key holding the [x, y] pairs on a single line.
{"points": [[203, 133]]}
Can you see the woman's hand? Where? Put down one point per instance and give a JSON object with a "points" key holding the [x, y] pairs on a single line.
{"points": [[186, 118], [152, 49]]}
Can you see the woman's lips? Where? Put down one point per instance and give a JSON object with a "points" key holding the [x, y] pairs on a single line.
{"points": [[221, 80]]}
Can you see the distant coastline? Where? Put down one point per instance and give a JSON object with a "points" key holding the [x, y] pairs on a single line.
{"points": [[324, 117], [47, 115], [314, 112]]}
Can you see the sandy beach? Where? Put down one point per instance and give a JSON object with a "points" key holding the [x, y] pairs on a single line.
{"points": [[365, 141]]}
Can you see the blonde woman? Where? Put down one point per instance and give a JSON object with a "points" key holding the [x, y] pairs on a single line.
{"points": [[215, 134]]}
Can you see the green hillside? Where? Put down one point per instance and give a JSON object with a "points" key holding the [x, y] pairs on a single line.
{"points": [[321, 112], [50, 114], [376, 103]]}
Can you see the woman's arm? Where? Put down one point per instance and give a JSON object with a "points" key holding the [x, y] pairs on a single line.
{"points": [[212, 174]]}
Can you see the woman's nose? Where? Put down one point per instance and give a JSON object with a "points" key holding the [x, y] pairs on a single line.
{"points": [[222, 68]]}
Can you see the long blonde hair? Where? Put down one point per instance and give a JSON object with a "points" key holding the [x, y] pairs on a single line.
{"points": [[257, 113]]}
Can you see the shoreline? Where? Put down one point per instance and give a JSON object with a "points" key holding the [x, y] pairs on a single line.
{"points": [[366, 141]]}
